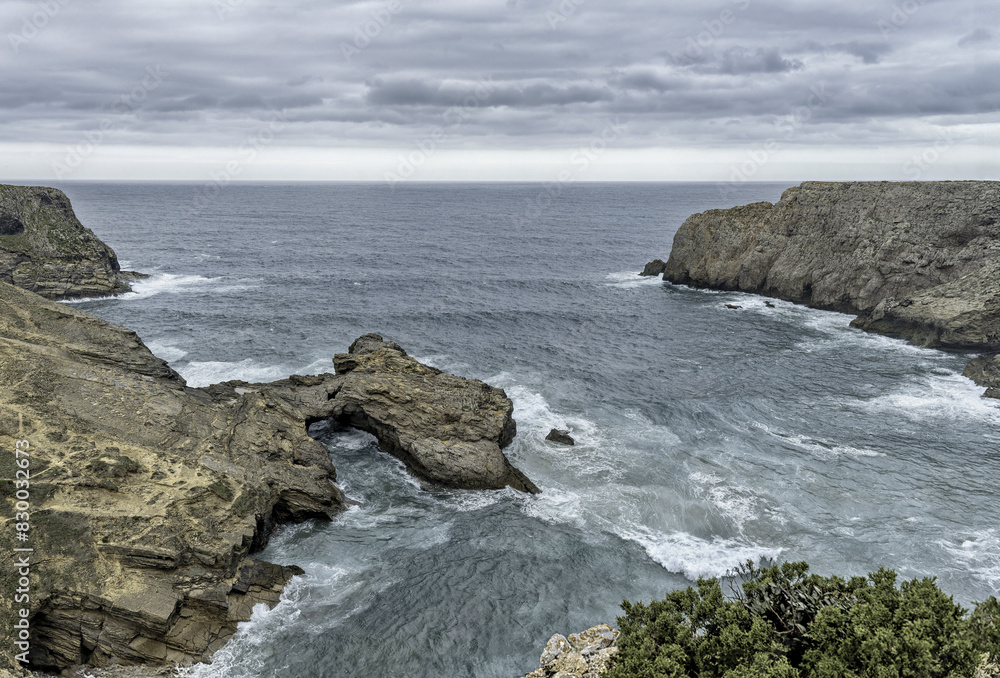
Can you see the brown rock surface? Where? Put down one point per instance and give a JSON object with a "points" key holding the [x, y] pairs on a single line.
{"points": [[147, 497]]}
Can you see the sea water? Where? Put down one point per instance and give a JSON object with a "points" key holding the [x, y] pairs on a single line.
{"points": [[705, 435]]}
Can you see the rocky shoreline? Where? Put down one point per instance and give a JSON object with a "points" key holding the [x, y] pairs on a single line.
{"points": [[914, 260], [46, 250], [148, 498]]}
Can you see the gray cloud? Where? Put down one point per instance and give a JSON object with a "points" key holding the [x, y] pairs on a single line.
{"points": [[683, 73]]}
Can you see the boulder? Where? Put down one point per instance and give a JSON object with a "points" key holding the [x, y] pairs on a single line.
{"points": [[654, 268], [560, 436], [45, 249], [583, 655]]}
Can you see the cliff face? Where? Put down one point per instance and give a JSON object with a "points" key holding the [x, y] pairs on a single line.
{"points": [[147, 498], [843, 246], [917, 260], [45, 249]]}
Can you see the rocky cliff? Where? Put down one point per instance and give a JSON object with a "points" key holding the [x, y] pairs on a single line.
{"points": [[147, 498], [45, 249], [917, 260]]}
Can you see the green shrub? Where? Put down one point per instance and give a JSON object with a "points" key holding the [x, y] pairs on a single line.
{"points": [[782, 622]]}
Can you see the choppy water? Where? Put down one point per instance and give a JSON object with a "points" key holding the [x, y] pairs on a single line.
{"points": [[705, 435]]}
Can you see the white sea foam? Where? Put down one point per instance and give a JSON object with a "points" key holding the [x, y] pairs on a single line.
{"points": [[979, 554], [936, 395], [246, 654], [162, 349], [628, 280], [736, 502], [214, 371], [696, 557], [822, 448]]}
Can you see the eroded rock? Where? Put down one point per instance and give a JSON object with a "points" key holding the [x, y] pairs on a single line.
{"points": [[45, 249], [147, 497], [583, 655], [916, 260]]}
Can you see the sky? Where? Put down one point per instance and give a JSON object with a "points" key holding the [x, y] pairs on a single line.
{"points": [[507, 90]]}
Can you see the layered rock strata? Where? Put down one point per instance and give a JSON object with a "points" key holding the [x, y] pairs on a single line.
{"points": [[45, 249], [916, 260], [148, 498], [446, 429]]}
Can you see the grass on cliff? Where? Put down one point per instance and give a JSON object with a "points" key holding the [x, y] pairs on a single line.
{"points": [[783, 622]]}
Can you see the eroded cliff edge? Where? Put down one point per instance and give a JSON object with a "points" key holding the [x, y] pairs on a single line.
{"points": [[148, 498], [45, 249], [916, 260]]}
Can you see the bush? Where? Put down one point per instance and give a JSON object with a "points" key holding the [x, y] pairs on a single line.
{"points": [[782, 622]]}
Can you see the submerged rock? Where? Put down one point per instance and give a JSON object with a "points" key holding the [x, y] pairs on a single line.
{"points": [[45, 249], [560, 436], [916, 260], [583, 655]]}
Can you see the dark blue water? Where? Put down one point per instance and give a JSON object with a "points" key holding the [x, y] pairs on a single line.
{"points": [[706, 435]]}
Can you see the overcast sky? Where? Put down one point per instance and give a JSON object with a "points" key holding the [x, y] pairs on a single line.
{"points": [[500, 89]]}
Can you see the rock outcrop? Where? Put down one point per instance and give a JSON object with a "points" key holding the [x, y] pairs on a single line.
{"points": [[46, 250], [916, 260], [447, 430], [560, 436], [147, 498], [583, 655], [654, 268]]}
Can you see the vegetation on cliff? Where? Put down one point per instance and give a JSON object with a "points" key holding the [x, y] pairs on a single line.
{"points": [[783, 622]]}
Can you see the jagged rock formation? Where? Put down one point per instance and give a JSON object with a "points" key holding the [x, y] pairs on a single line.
{"points": [[917, 260], [583, 655], [446, 429], [148, 498], [45, 249]]}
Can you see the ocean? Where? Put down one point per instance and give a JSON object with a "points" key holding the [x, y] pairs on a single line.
{"points": [[706, 436]]}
